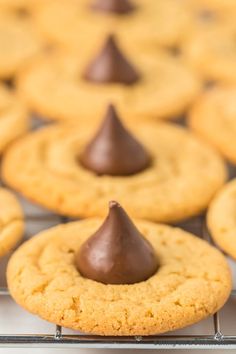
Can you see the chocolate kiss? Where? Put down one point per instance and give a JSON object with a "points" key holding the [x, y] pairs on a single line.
{"points": [[114, 151], [119, 7], [111, 66], [117, 253]]}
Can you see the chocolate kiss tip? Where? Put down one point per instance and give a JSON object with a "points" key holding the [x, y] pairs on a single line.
{"points": [[114, 204], [117, 253], [111, 66], [111, 110], [119, 7], [113, 150]]}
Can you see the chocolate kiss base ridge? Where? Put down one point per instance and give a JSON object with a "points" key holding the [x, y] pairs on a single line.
{"points": [[114, 151], [119, 7], [117, 253]]}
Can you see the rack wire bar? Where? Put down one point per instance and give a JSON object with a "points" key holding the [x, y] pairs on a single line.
{"points": [[4, 291], [100, 342]]}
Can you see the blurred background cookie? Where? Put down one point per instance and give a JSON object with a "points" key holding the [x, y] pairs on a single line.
{"points": [[213, 118], [72, 85], [11, 221], [19, 42], [14, 118], [141, 25], [221, 218], [212, 53], [21, 7]]}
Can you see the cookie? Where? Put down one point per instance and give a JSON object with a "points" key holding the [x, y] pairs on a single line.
{"points": [[193, 282], [11, 221], [219, 7], [19, 43], [75, 24], [54, 87], [213, 118], [212, 53], [20, 6], [14, 120], [180, 182], [14, 4], [221, 219], [207, 13]]}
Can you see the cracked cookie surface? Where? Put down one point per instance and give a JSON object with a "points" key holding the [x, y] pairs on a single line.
{"points": [[11, 221], [193, 282], [53, 87], [184, 175], [213, 117], [14, 120], [221, 218]]}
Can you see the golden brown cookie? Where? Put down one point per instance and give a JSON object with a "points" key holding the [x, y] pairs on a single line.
{"points": [[54, 87], [211, 51], [219, 7], [193, 282], [11, 221], [13, 4], [213, 118], [19, 43], [23, 6], [221, 218], [207, 13], [14, 120], [182, 179], [74, 24]]}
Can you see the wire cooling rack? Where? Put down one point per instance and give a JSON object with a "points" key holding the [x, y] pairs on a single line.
{"points": [[60, 339]]}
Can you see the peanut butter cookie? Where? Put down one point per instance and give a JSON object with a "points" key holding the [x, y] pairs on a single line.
{"points": [[11, 221], [14, 120], [183, 176], [211, 51], [192, 282], [221, 218], [19, 42], [213, 118], [23, 6], [79, 24], [57, 85], [217, 7]]}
